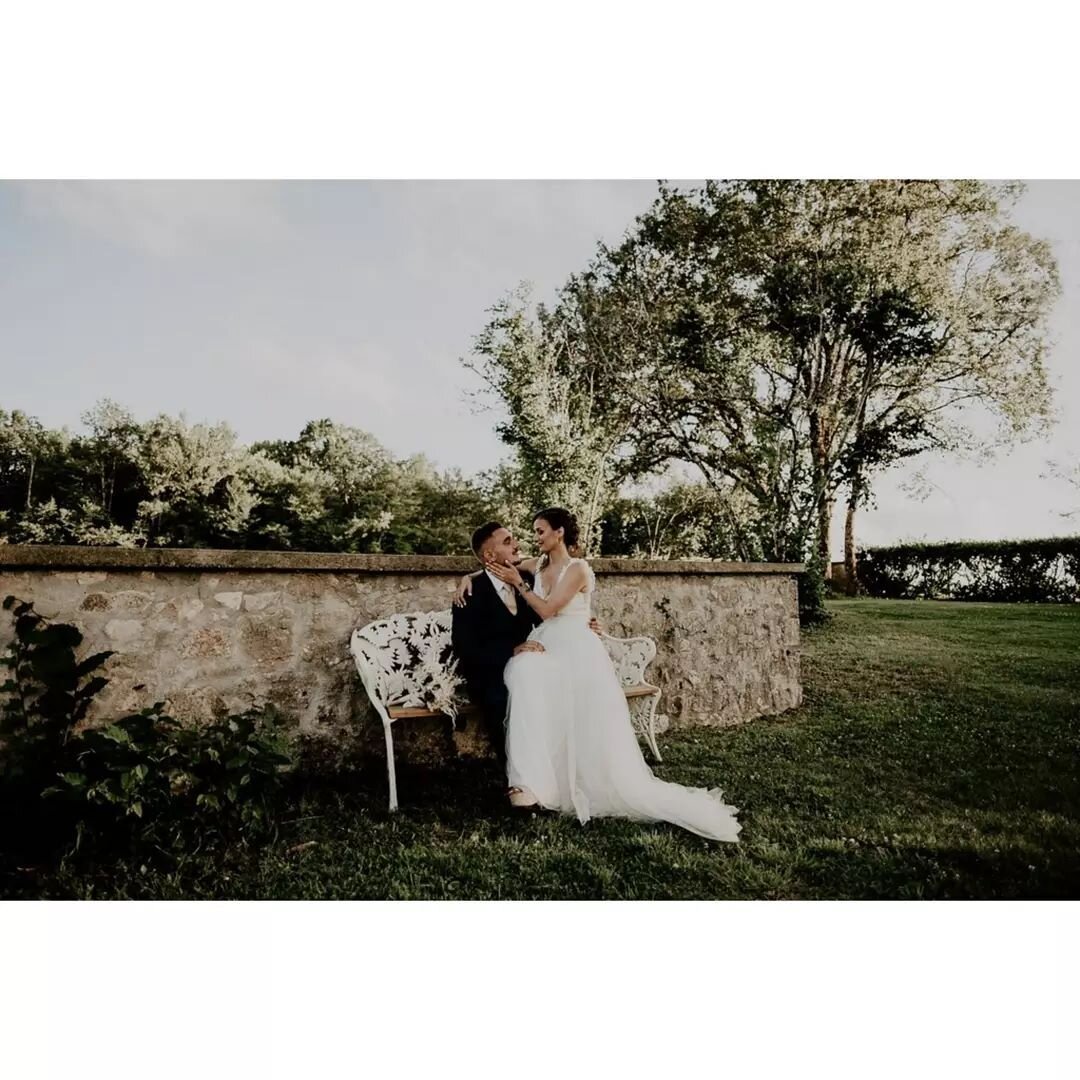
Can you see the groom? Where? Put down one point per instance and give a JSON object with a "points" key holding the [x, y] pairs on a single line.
{"points": [[491, 628]]}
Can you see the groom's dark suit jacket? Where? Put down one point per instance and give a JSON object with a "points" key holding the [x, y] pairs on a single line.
{"points": [[484, 635]]}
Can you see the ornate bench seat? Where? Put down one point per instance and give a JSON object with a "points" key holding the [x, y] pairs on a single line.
{"points": [[407, 666]]}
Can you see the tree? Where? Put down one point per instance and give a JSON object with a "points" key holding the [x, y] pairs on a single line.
{"points": [[108, 454], [435, 512], [698, 375], [682, 521], [331, 489], [194, 491], [558, 374], [818, 330], [27, 450], [955, 325]]}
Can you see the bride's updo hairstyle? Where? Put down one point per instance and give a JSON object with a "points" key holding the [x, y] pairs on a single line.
{"points": [[558, 518]]}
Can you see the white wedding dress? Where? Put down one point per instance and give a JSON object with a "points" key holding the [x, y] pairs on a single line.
{"points": [[569, 740]]}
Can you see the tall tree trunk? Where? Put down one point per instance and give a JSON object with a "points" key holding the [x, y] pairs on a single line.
{"points": [[851, 570], [855, 493], [590, 521], [30, 482], [851, 584], [825, 509], [823, 503]]}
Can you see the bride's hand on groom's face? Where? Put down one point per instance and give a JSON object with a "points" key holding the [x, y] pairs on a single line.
{"points": [[510, 574]]}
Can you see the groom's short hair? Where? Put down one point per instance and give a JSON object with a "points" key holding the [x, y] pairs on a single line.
{"points": [[483, 535]]}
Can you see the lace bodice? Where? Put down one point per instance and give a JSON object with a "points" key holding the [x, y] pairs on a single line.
{"points": [[580, 606]]}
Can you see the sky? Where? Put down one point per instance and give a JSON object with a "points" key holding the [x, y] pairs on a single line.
{"points": [[269, 304]]}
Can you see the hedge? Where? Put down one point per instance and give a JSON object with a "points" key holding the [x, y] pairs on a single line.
{"points": [[1030, 571]]}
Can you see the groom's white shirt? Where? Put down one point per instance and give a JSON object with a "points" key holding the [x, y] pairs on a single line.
{"points": [[506, 594]]}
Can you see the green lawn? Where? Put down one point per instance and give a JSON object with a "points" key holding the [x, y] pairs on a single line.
{"points": [[936, 755]]}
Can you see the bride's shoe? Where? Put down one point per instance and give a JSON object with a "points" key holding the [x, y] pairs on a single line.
{"points": [[523, 799]]}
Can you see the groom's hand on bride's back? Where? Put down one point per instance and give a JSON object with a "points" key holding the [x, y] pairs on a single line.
{"points": [[595, 626], [528, 646]]}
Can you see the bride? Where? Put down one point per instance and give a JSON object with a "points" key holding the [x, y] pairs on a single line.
{"points": [[569, 742]]}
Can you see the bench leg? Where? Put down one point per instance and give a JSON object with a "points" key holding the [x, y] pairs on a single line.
{"points": [[392, 776], [652, 728]]}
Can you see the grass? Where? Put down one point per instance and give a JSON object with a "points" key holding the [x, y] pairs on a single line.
{"points": [[935, 757]]}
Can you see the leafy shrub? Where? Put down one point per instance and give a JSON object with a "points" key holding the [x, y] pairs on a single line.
{"points": [[151, 783], [811, 591]]}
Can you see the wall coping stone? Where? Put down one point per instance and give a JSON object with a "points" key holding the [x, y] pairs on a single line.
{"points": [[78, 557]]}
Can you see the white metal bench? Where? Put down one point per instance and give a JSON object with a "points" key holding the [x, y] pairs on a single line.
{"points": [[408, 668]]}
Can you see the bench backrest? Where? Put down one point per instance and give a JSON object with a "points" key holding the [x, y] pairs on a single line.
{"points": [[407, 661], [631, 656]]}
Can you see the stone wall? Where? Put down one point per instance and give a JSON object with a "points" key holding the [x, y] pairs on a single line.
{"points": [[213, 632]]}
